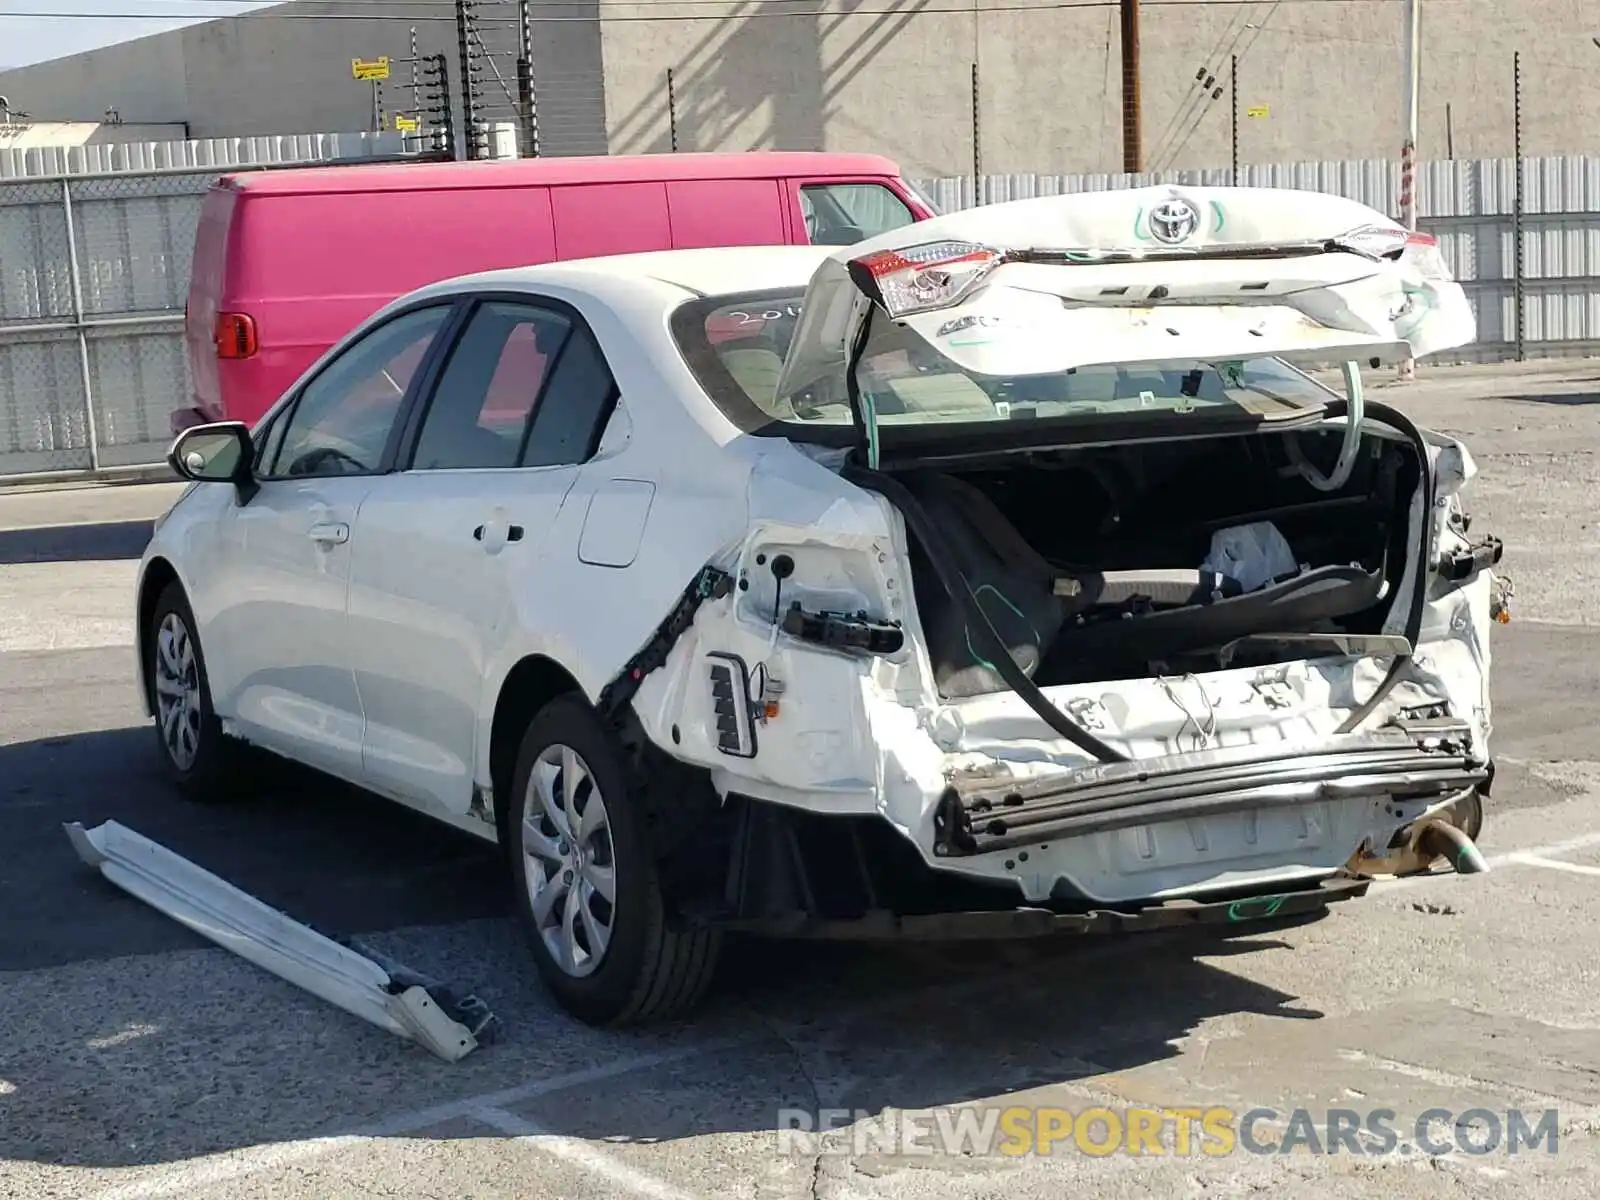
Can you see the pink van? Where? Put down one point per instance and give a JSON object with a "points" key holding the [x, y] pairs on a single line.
{"points": [[286, 262]]}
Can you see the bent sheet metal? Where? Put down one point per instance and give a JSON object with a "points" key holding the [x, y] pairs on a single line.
{"points": [[341, 971]]}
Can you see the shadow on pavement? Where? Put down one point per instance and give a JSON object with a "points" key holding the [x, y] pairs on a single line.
{"points": [[75, 543], [121, 1052], [328, 854]]}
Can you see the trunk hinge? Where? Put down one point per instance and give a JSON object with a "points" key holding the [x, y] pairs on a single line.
{"points": [[863, 409]]}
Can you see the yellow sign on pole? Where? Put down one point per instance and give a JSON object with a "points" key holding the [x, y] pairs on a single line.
{"points": [[377, 69], [1258, 111], [405, 124]]}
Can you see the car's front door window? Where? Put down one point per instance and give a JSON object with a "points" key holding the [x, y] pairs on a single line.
{"points": [[342, 420]]}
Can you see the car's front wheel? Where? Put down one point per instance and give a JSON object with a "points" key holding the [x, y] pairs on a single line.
{"points": [[586, 879], [197, 756]]}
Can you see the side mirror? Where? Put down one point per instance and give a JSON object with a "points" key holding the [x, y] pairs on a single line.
{"points": [[216, 453]]}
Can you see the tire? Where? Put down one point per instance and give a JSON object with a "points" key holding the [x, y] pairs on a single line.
{"points": [[203, 765], [643, 970]]}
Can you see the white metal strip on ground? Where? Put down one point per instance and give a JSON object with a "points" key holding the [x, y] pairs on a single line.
{"points": [[223, 914]]}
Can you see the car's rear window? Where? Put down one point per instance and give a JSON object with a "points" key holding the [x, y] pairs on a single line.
{"points": [[736, 346]]}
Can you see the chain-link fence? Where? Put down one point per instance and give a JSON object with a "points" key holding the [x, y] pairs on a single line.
{"points": [[95, 272], [94, 275]]}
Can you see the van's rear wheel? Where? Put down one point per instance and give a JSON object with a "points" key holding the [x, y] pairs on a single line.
{"points": [[586, 879]]}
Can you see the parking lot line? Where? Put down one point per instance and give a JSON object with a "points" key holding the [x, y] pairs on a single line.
{"points": [[187, 1177], [1552, 864], [581, 1154], [183, 1178]]}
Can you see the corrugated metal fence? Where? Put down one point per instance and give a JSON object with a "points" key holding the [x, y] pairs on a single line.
{"points": [[94, 270], [33, 162], [95, 244]]}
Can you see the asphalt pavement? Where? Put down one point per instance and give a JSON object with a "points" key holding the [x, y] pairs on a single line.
{"points": [[136, 1060]]}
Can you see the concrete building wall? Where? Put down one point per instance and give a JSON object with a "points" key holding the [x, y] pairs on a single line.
{"points": [[273, 73], [897, 78], [894, 76], [142, 79], [282, 70]]}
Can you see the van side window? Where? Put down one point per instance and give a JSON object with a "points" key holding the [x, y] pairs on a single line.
{"points": [[842, 214], [479, 412], [341, 421], [575, 407]]}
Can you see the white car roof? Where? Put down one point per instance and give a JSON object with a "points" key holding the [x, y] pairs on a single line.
{"points": [[673, 275]]}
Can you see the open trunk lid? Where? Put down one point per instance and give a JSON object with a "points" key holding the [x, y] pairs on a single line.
{"points": [[1052, 284]]}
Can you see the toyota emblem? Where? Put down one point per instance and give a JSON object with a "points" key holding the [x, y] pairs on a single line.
{"points": [[1173, 221]]}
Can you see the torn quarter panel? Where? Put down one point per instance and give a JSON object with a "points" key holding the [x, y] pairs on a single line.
{"points": [[817, 567]]}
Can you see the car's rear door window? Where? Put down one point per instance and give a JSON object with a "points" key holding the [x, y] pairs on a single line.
{"points": [[478, 415], [575, 406], [525, 385]]}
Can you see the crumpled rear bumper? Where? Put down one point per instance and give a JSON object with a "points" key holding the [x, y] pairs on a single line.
{"points": [[1420, 762]]}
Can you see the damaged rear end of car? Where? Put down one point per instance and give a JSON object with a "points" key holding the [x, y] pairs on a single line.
{"points": [[1090, 590]]}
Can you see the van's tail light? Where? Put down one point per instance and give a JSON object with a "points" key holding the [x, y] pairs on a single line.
{"points": [[921, 278], [1415, 249], [234, 335]]}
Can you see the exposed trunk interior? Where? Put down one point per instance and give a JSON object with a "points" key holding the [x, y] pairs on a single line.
{"points": [[1106, 563]]}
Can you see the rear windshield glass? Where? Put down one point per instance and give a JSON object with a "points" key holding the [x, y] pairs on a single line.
{"points": [[736, 346]]}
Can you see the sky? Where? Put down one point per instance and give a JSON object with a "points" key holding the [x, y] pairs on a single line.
{"points": [[86, 24]]}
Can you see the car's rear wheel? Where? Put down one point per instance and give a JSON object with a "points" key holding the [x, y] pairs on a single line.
{"points": [[586, 879], [197, 756]]}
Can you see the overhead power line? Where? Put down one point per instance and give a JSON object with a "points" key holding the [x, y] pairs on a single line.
{"points": [[284, 12]]}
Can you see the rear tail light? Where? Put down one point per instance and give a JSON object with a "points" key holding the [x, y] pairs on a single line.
{"points": [[234, 335], [1422, 251], [922, 278], [1394, 243]]}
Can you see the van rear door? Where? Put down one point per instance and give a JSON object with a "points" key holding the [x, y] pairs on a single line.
{"points": [[207, 274], [842, 211]]}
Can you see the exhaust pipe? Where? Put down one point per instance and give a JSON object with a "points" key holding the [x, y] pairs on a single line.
{"points": [[1439, 839], [1450, 833]]}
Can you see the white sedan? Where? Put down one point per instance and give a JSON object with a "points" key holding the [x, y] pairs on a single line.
{"points": [[1002, 575]]}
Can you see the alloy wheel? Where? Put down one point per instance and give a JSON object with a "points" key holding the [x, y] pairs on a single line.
{"points": [[568, 860], [178, 691]]}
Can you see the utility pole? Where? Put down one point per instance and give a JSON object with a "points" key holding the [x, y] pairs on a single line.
{"points": [[1233, 86], [471, 125], [527, 102], [1408, 150], [1132, 150], [416, 79]]}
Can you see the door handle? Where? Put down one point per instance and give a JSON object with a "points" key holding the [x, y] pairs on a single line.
{"points": [[513, 533], [330, 533]]}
